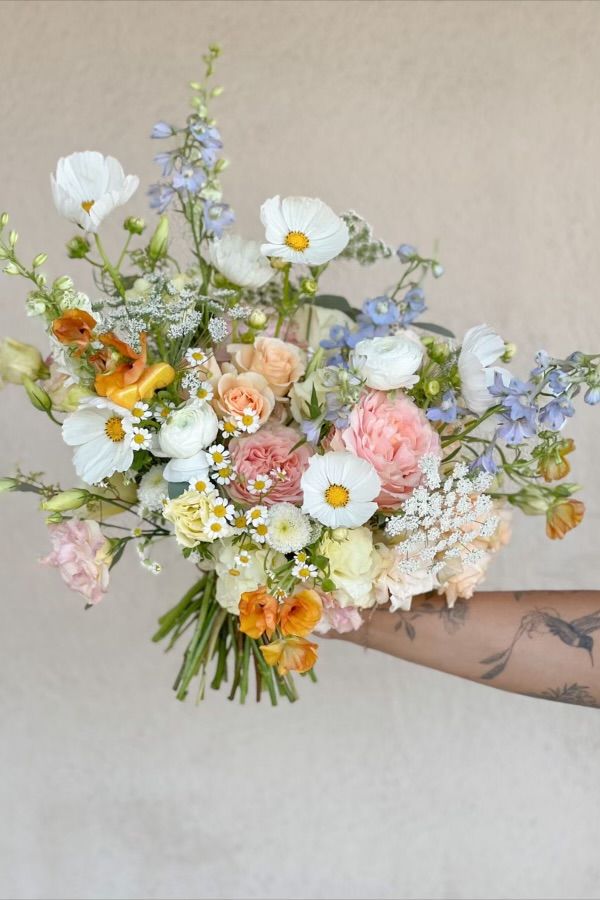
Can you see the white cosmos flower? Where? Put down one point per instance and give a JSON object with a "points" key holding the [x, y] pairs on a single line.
{"points": [[88, 186], [339, 489], [240, 261], [302, 230], [101, 432], [481, 348], [389, 362]]}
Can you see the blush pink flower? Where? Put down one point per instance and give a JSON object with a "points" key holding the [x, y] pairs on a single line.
{"points": [[337, 618], [266, 452], [82, 555], [392, 433], [280, 362]]}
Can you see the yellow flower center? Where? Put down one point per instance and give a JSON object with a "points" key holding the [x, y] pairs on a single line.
{"points": [[239, 522], [137, 412], [139, 439], [259, 485], [247, 420], [200, 486], [337, 495], [219, 511], [262, 529], [234, 572], [304, 572], [87, 205], [202, 393], [225, 472], [297, 240], [217, 457], [114, 429], [228, 427]]}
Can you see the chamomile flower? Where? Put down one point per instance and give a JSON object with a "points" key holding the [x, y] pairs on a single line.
{"points": [[141, 439], [224, 474], [164, 410], [302, 230], [289, 528], [222, 509], [229, 427], [259, 485], [304, 571], [202, 484], [217, 527], [249, 421], [153, 489], [140, 411], [256, 514], [204, 391], [218, 455], [259, 532], [340, 489], [243, 558], [196, 356], [239, 522]]}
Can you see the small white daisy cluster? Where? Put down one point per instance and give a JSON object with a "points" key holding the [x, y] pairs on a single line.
{"points": [[221, 465], [443, 518], [303, 569], [232, 426]]}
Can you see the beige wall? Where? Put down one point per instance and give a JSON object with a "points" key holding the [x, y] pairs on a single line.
{"points": [[477, 124]]}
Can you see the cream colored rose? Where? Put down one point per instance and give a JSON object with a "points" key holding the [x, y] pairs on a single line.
{"points": [[279, 362], [236, 391], [354, 565], [396, 586], [233, 580], [301, 394], [190, 514]]}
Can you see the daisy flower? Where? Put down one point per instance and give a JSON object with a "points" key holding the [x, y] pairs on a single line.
{"points": [[243, 558], [217, 528], [229, 427], [259, 532], [224, 474], [302, 230], [304, 571], [259, 485], [88, 186], [141, 439], [222, 509], [201, 484], [289, 528], [256, 514], [101, 432], [218, 455], [196, 356], [238, 522], [163, 410], [140, 411], [339, 489], [204, 391], [249, 421]]}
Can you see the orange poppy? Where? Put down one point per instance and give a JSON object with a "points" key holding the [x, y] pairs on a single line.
{"points": [[290, 653], [300, 613], [258, 613], [74, 327]]}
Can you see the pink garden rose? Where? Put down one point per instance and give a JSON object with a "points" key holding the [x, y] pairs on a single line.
{"points": [[392, 433], [337, 618], [263, 453], [82, 554]]}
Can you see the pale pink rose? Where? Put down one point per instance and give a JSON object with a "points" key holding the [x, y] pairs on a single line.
{"points": [[395, 586], [280, 362], [337, 618], [262, 454], [392, 433], [82, 554], [235, 392], [461, 583]]}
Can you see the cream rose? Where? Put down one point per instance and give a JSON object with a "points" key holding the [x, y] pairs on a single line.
{"points": [[279, 362], [188, 430], [388, 363], [190, 514], [354, 565], [236, 391]]}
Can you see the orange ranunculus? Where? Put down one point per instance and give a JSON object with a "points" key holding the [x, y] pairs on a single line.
{"points": [[290, 653], [562, 517], [258, 613], [75, 327], [300, 613], [555, 466], [130, 382]]}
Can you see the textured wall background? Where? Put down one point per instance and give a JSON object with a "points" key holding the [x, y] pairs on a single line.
{"points": [[473, 123]]}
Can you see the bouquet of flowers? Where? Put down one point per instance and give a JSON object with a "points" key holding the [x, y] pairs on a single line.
{"points": [[311, 460]]}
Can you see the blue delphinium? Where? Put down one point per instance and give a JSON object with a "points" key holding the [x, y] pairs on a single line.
{"points": [[554, 415], [592, 395], [516, 430], [217, 217], [166, 162], [406, 252], [209, 138], [160, 196], [381, 311], [190, 179], [447, 411], [162, 130], [486, 462], [516, 396], [412, 305]]}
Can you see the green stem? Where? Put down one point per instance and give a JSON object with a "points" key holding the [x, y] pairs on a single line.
{"points": [[112, 271]]}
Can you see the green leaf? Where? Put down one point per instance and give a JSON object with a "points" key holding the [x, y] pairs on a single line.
{"points": [[437, 329], [333, 301], [177, 488]]}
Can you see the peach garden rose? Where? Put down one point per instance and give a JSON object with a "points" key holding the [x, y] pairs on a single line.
{"points": [[281, 363]]}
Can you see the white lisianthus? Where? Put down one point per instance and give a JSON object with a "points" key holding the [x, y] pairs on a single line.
{"points": [[390, 362], [289, 529], [88, 186], [302, 230], [188, 430], [339, 489], [234, 579], [353, 565], [481, 348], [240, 261], [153, 489], [101, 433]]}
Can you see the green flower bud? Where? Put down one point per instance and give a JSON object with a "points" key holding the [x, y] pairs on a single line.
{"points": [[532, 500], [221, 164], [134, 225], [159, 242], [66, 500], [64, 283], [18, 361], [8, 484], [38, 396], [39, 260], [11, 269], [54, 518], [509, 351], [257, 319], [278, 264], [4, 220], [309, 286], [78, 247], [432, 388], [13, 237], [247, 338]]}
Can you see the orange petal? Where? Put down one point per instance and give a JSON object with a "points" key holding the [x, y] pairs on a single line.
{"points": [[157, 376]]}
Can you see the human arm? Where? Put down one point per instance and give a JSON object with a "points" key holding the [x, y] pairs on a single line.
{"points": [[539, 643]]}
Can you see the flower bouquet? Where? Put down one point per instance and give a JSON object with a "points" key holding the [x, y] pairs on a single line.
{"points": [[310, 460]]}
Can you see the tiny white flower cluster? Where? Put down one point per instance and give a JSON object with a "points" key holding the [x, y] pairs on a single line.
{"points": [[442, 519]]}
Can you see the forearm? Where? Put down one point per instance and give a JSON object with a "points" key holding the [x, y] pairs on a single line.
{"points": [[540, 643]]}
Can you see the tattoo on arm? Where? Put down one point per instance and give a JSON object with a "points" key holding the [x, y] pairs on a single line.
{"points": [[577, 694], [576, 633], [452, 618]]}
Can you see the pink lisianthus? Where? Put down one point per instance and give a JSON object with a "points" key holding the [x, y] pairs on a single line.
{"points": [[269, 452], [392, 433], [337, 618], [82, 555]]}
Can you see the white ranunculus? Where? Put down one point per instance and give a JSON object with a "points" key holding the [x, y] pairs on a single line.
{"points": [[190, 468], [388, 363], [240, 261], [188, 430], [302, 230], [88, 186], [481, 348]]}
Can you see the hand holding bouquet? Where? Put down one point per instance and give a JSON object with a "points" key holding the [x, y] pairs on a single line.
{"points": [[311, 460]]}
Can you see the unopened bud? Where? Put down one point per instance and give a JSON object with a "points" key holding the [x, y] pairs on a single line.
{"points": [[159, 242], [66, 500], [437, 270], [64, 283], [39, 260], [278, 264], [38, 396], [432, 388], [257, 319], [509, 351], [134, 225], [11, 269], [54, 518], [13, 237], [8, 484], [4, 220], [309, 286], [78, 247]]}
